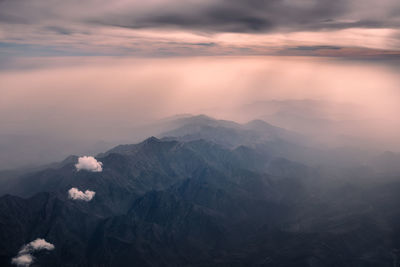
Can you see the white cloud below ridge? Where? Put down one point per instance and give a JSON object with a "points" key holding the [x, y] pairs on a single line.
{"points": [[25, 258], [89, 163], [76, 194]]}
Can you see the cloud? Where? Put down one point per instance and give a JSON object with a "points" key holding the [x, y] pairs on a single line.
{"points": [[259, 16], [22, 260], [25, 258], [38, 244], [315, 47], [88, 163], [75, 194], [156, 27], [207, 15]]}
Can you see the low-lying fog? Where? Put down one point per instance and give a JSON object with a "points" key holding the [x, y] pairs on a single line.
{"points": [[50, 110]]}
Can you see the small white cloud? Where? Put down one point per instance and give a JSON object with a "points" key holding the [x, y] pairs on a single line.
{"points": [[37, 244], [22, 260], [75, 194], [25, 258], [89, 164]]}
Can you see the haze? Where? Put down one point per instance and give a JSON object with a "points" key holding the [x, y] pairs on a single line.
{"points": [[77, 78]]}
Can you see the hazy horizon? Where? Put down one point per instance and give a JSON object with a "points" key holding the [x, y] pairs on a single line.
{"points": [[110, 100], [96, 71]]}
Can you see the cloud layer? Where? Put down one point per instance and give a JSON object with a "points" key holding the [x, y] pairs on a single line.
{"points": [[75, 194], [199, 27], [25, 258], [88, 163], [259, 15], [207, 15]]}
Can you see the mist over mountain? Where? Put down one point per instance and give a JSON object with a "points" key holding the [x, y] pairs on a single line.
{"points": [[208, 192], [30, 151], [50, 108], [330, 123], [199, 133]]}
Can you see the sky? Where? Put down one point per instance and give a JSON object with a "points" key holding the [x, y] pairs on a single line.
{"points": [[75, 73], [156, 28]]}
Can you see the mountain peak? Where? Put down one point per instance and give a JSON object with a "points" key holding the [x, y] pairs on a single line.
{"points": [[151, 140], [199, 119], [258, 122]]}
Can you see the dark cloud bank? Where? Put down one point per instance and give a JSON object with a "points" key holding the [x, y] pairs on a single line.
{"points": [[211, 16]]}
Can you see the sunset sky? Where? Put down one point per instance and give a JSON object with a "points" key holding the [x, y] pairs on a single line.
{"points": [[159, 28], [97, 70]]}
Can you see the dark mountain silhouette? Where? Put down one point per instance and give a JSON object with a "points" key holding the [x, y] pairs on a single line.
{"points": [[200, 201]]}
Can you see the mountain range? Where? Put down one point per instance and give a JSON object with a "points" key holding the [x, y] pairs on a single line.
{"points": [[207, 193]]}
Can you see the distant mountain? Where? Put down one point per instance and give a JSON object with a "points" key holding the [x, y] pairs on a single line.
{"points": [[387, 162], [32, 151], [228, 133], [266, 139], [327, 123], [304, 115]]}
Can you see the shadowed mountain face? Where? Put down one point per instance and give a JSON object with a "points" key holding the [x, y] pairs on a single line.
{"points": [[214, 193]]}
